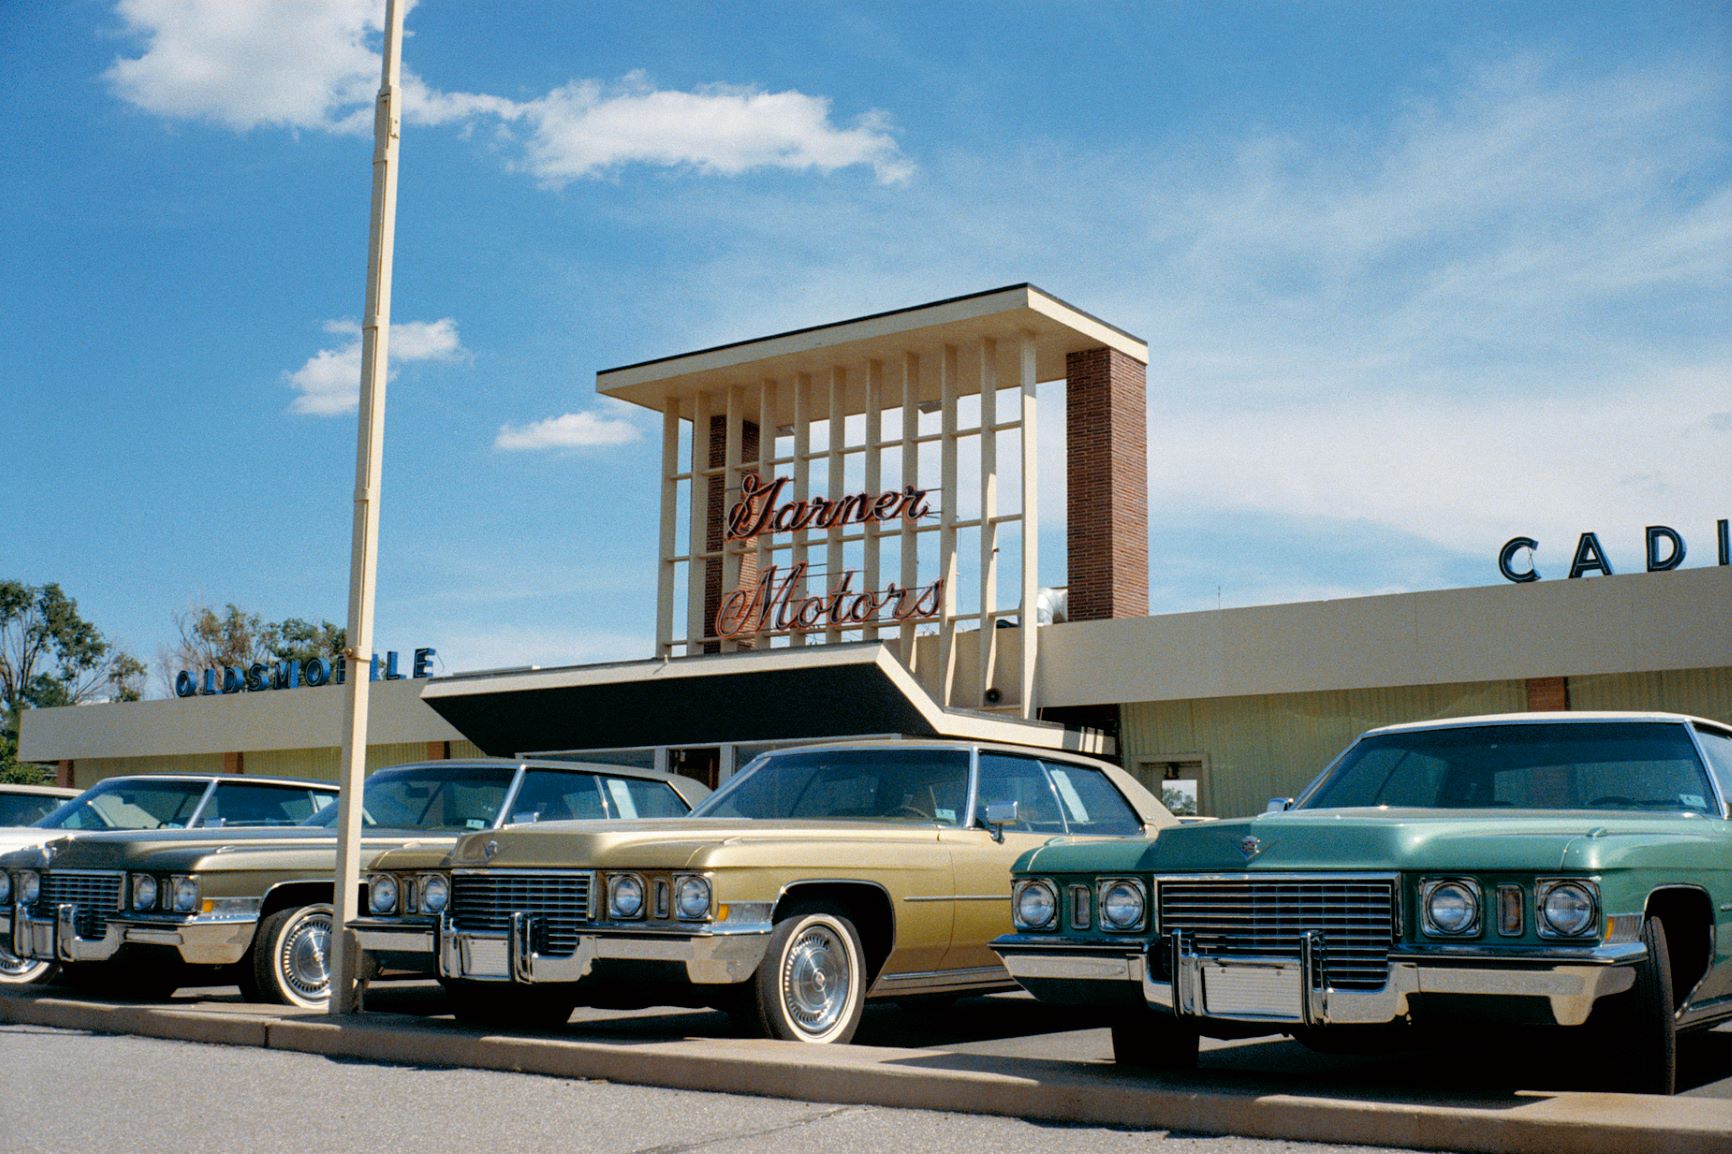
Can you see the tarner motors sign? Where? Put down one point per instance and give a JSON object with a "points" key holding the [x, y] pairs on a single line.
{"points": [[779, 601]]}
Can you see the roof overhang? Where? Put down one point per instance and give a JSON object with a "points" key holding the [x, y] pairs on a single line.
{"points": [[1002, 314], [805, 694]]}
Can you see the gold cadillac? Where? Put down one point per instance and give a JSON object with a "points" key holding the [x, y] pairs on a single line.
{"points": [[813, 880]]}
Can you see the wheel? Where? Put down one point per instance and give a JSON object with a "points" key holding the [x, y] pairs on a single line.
{"points": [[1640, 1029], [1153, 1041], [17, 971], [290, 962], [497, 1005], [811, 985]]}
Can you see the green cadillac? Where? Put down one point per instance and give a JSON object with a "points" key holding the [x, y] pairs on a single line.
{"points": [[1565, 870]]}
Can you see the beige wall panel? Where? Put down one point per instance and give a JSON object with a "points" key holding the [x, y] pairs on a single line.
{"points": [[287, 719], [1702, 692], [88, 772], [1272, 745], [1634, 623]]}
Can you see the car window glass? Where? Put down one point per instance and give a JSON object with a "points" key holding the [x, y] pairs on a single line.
{"points": [[868, 784], [1528, 765], [554, 795], [26, 808], [1022, 780], [458, 796], [1092, 806], [130, 804], [1718, 746], [634, 797], [236, 804]]}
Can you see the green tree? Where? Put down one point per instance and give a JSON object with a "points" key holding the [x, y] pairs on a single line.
{"points": [[50, 655], [232, 637]]}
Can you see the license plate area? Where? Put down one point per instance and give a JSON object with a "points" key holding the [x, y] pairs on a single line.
{"points": [[1272, 991], [485, 959]]}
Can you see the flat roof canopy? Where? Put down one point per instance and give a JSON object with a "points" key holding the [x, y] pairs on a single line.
{"points": [[1002, 314], [729, 698]]}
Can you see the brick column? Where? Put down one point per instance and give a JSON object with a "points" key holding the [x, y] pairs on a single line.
{"points": [[63, 774], [234, 763], [720, 501], [438, 751], [1107, 479], [1548, 693]]}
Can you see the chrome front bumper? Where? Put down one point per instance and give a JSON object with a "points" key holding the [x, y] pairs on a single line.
{"points": [[721, 956], [55, 938], [396, 936], [1287, 991]]}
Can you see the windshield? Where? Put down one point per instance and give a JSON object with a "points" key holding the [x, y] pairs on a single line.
{"points": [[129, 803], [426, 797], [1570, 765], [912, 785], [26, 808]]}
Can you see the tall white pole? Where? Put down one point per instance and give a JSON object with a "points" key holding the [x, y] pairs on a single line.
{"points": [[364, 545]]}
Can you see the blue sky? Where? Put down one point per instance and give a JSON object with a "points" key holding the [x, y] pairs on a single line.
{"points": [[1415, 279]]}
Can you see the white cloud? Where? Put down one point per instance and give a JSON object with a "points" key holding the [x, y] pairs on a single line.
{"points": [[329, 384], [569, 431], [314, 64], [585, 128], [287, 63]]}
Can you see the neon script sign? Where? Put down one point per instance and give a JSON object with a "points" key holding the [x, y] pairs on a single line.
{"points": [[757, 511], [778, 601]]}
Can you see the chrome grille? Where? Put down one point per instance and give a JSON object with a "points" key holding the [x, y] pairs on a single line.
{"points": [[1260, 917], [97, 896], [484, 902]]}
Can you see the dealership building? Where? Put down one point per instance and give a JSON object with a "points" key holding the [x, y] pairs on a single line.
{"points": [[848, 547]]}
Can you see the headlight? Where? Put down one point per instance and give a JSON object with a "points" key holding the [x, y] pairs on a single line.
{"points": [[29, 887], [1036, 905], [143, 892], [692, 898], [1567, 909], [1451, 907], [435, 893], [1122, 905], [625, 896], [382, 893], [185, 895], [5, 887]]}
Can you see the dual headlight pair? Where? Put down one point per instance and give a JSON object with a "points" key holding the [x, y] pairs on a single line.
{"points": [[1123, 904], [431, 893], [630, 898], [175, 894], [1563, 908]]}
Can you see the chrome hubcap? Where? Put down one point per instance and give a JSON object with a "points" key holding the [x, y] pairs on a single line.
{"points": [[304, 959], [815, 980], [13, 966]]}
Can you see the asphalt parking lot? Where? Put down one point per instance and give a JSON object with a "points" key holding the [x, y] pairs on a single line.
{"points": [[1003, 1055]]}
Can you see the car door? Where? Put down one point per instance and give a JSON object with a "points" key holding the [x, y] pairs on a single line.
{"points": [[982, 863]]}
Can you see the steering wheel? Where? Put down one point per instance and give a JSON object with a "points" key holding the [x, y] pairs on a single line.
{"points": [[910, 811]]}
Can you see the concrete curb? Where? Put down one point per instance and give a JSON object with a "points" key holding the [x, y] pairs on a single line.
{"points": [[1520, 1123]]}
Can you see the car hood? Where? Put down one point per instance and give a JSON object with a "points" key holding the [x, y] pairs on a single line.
{"points": [[1383, 839], [690, 843], [188, 850], [24, 836], [1077, 855]]}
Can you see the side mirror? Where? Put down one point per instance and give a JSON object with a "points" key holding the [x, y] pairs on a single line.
{"points": [[1278, 805], [998, 815]]}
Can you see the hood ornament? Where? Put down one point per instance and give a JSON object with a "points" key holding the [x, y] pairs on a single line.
{"points": [[491, 848], [1250, 845]]}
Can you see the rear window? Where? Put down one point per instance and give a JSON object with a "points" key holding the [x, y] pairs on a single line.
{"points": [[26, 808]]}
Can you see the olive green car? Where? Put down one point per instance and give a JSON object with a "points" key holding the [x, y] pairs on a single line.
{"points": [[1562, 870], [150, 910], [814, 879]]}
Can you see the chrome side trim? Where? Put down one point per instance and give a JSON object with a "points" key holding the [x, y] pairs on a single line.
{"points": [[958, 898]]}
